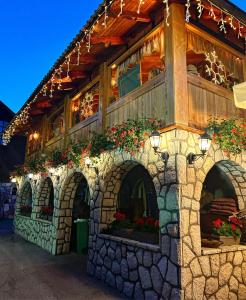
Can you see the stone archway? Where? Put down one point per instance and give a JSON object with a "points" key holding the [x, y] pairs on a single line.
{"points": [[65, 211], [25, 197]]}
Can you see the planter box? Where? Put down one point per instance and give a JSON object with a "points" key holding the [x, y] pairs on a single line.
{"points": [[144, 237], [229, 240]]}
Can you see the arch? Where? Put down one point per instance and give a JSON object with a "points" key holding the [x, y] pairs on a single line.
{"points": [[26, 199], [111, 188], [45, 205], [66, 213], [46, 194]]}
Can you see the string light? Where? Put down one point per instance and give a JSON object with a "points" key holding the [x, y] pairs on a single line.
{"points": [[23, 115], [222, 23], [141, 2], [122, 4], [78, 53], [167, 11], [187, 14], [200, 8]]}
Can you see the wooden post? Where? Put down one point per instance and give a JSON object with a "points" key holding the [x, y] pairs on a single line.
{"points": [[103, 95], [176, 69]]}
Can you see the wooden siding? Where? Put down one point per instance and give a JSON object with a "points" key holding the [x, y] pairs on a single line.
{"points": [[207, 100], [55, 143], [147, 101], [84, 129]]}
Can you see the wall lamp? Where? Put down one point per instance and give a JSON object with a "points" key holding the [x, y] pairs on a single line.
{"points": [[30, 175], [155, 140], [89, 164], [204, 144]]}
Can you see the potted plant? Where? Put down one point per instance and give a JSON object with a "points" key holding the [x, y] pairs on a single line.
{"points": [[46, 213], [228, 232], [26, 210], [147, 230], [121, 226]]}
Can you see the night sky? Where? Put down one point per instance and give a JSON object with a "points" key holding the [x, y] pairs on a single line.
{"points": [[33, 35]]}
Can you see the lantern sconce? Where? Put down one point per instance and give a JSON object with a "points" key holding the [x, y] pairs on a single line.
{"points": [[89, 164], [155, 140], [36, 135], [204, 144], [13, 180], [30, 176]]}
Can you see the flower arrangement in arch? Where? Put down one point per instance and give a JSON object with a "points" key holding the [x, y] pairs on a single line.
{"points": [[229, 134], [230, 228], [129, 136]]}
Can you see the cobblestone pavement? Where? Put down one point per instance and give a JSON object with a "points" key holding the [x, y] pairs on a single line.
{"points": [[29, 273]]}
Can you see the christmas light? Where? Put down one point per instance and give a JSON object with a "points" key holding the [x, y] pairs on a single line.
{"points": [[167, 12], [141, 2], [187, 14]]}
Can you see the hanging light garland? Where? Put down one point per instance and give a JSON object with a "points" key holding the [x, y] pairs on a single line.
{"points": [[23, 115], [141, 2], [167, 11]]}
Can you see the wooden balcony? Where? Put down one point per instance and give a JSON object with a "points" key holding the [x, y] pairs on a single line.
{"points": [[83, 129], [207, 100], [146, 101]]}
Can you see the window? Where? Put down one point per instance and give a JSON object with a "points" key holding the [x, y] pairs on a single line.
{"points": [[213, 62], [3, 125], [86, 105], [141, 66], [137, 196], [57, 125]]}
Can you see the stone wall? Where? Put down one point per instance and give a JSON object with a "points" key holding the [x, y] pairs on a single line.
{"points": [[138, 270], [217, 274], [39, 232], [178, 262]]}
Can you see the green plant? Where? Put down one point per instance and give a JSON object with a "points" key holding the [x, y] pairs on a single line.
{"points": [[229, 134], [131, 135], [36, 165], [231, 228]]}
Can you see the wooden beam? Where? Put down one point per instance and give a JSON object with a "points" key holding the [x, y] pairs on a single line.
{"points": [[131, 15], [176, 69], [108, 40], [83, 59]]}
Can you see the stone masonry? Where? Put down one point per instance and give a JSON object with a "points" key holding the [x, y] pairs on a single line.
{"points": [[177, 268]]}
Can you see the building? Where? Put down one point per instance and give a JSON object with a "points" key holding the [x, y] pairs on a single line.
{"points": [[11, 155], [133, 60]]}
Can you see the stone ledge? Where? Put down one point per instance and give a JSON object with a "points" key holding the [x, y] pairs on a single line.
{"points": [[223, 249], [43, 221], [154, 248]]}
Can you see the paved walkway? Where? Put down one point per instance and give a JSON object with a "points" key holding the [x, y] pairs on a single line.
{"points": [[29, 273]]}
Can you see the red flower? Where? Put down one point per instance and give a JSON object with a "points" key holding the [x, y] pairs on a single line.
{"points": [[140, 221], [233, 227], [113, 129], [235, 221], [234, 130], [217, 223], [119, 216], [150, 221]]}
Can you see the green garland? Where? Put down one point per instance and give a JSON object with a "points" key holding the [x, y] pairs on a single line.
{"points": [[129, 137], [229, 134]]}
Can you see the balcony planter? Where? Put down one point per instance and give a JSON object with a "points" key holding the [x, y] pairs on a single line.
{"points": [[229, 240]]}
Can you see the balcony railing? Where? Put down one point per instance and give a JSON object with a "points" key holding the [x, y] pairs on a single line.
{"points": [[207, 100], [146, 101]]}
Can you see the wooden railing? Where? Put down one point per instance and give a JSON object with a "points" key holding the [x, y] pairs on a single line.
{"points": [[147, 101], [83, 129], [54, 143], [208, 100]]}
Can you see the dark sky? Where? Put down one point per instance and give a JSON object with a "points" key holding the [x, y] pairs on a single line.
{"points": [[33, 35]]}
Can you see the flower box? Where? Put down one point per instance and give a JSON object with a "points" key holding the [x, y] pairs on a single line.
{"points": [[229, 240]]}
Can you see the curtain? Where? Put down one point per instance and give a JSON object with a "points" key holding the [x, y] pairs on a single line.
{"points": [[232, 63], [155, 44]]}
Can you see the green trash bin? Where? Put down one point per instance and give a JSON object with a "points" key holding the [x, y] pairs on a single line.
{"points": [[82, 232]]}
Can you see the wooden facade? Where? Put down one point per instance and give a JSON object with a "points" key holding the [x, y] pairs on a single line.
{"points": [[174, 96]]}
